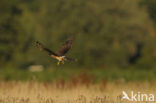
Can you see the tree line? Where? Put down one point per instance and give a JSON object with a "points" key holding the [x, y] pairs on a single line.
{"points": [[107, 32]]}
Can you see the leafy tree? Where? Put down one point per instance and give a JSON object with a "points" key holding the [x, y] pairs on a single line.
{"points": [[108, 32]]}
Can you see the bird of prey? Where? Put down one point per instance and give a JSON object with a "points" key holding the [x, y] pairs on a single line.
{"points": [[60, 54]]}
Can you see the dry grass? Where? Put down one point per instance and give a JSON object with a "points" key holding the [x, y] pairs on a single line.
{"points": [[65, 92]]}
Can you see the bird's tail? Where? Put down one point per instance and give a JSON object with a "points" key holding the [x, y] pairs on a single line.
{"points": [[70, 59]]}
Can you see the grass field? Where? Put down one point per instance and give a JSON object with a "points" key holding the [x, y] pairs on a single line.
{"points": [[67, 92], [64, 85], [93, 74]]}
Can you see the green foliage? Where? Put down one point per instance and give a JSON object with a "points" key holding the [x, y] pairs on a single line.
{"points": [[150, 4], [69, 74], [108, 32]]}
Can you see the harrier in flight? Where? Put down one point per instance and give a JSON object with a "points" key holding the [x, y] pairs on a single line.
{"points": [[60, 54]]}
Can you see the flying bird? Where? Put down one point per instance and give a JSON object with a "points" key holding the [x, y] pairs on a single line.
{"points": [[60, 54]]}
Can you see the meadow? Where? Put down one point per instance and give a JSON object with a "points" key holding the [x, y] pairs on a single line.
{"points": [[57, 85], [68, 92], [114, 46], [90, 74]]}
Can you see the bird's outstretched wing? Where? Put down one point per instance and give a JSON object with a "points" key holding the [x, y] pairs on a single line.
{"points": [[65, 47], [42, 48]]}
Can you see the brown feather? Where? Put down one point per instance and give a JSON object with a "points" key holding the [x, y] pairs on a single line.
{"points": [[70, 59], [42, 48], [65, 47]]}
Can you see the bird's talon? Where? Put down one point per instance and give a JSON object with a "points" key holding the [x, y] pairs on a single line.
{"points": [[62, 62], [58, 63]]}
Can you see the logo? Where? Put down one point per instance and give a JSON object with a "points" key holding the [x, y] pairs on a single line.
{"points": [[140, 97]]}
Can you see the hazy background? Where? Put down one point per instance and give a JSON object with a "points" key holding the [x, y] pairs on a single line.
{"points": [[114, 39]]}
